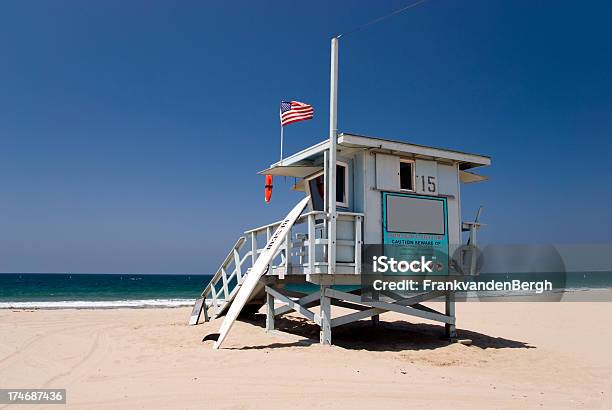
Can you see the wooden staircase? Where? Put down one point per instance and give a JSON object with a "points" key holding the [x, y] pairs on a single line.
{"points": [[225, 283]]}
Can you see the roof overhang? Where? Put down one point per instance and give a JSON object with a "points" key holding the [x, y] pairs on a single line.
{"points": [[465, 159], [305, 155], [297, 171], [307, 161], [470, 178], [300, 164]]}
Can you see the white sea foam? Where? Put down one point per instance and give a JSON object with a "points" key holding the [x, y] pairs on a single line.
{"points": [[98, 304]]}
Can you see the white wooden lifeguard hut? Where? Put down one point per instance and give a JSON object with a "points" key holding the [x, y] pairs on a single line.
{"points": [[377, 191]]}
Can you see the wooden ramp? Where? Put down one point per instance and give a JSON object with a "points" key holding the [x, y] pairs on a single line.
{"points": [[251, 282]]}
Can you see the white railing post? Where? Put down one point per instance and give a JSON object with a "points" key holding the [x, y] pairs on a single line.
{"points": [[253, 247], [311, 243], [288, 246], [357, 245], [225, 288], [237, 266], [214, 298]]}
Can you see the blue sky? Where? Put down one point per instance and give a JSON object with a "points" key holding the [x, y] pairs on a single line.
{"points": [[131, 132]]}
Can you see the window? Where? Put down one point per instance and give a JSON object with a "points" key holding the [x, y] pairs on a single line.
{"points": [[415, 215], [406, 175], [342, 184], [316, 186]]}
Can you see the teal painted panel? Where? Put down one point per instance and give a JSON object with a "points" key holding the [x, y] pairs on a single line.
{"points": [[414, 226]]}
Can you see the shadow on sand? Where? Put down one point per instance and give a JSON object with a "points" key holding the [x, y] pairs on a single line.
{"points": [[388, 336]]}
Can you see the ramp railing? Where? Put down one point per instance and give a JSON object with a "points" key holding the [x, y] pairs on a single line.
{"points": [[305, 248], [303, 251], [225, 282]]}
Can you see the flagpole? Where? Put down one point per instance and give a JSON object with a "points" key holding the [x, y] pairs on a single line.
{"points": [[281, 145], [331, 169]]}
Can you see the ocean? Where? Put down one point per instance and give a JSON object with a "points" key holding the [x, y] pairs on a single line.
{"points": [[51, 290], [58, 290]]}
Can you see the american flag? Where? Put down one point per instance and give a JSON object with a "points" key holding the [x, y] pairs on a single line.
{"points": [[294, 111]]}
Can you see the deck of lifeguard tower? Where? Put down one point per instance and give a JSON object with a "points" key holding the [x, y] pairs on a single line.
{"points": [[367, 169]]}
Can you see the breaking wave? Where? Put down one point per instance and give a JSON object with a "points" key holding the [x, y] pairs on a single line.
{"points": [[98, 304]]}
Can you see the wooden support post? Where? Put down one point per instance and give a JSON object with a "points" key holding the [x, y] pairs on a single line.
{"points": [[269, 312], [325, 332], [450, 328]]}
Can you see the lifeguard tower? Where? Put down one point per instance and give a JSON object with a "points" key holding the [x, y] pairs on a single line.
{"points": [[358, 190]]}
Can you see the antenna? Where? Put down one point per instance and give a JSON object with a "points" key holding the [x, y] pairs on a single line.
{"points": [[330, 184], [379, 19], [480, 208], [473, 227]]}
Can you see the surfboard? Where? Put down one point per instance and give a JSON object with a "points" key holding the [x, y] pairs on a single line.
{"points": [[259, 269]]}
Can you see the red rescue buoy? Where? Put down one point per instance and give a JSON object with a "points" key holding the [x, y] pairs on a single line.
{"points": [[268, 187]]}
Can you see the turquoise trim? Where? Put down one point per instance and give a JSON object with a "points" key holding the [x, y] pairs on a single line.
{"points": [[413, 245]]}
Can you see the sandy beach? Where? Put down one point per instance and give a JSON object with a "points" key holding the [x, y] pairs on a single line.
{"points": [[554, 355]]}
